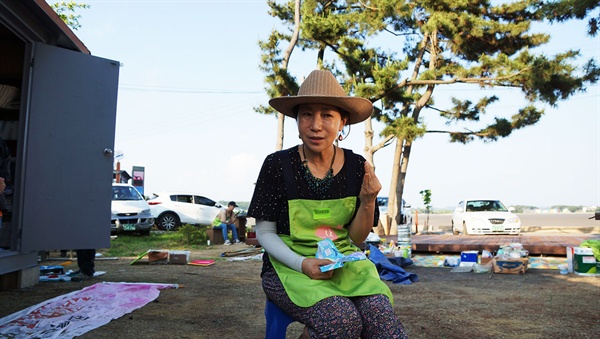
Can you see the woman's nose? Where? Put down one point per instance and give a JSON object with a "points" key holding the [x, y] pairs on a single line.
{"points": [[316, 123]]}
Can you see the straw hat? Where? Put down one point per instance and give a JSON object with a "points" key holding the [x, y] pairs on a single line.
{"points": [[321, 87]]}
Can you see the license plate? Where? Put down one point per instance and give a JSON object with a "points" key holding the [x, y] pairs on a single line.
{"points": [[498, 228], [129, 227]]}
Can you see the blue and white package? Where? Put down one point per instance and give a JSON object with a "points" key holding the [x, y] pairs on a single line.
{"points": [[326, 250]]}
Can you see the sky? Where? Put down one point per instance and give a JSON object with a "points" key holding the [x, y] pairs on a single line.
{"points": [[190, 80]]}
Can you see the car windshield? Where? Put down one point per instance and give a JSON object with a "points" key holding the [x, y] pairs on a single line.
{"points": [[126, 193], [382, 202], [485, 206]]}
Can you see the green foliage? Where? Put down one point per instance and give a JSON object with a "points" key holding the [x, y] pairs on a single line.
{"points": [[132, 245], [562, 10], [191, 235], [426, 194], [66, 11], [445, 42], [523, 208], [398, 52]]}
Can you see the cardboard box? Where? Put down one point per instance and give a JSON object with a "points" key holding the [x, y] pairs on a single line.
{"points": [[485, 261], [156, 257], [179, 257], [510, 266]]}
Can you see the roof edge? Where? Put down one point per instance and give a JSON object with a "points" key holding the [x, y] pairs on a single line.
{"points": [[62, 26]]}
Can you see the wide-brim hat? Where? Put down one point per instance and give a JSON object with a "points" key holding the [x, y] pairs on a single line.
{"points": [[321, 87]]}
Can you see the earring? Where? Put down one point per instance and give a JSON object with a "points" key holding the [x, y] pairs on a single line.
{"points": [[340, 137]]}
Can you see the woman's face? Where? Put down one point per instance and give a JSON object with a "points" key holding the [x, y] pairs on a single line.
{"points": [[319, 125]]}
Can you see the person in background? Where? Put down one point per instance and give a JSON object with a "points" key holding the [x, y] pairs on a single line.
{"points": [[225, 220], [86, 262], [315, 191]]}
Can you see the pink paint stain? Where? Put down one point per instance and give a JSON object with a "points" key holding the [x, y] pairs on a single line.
{"points": [[327, 232]]}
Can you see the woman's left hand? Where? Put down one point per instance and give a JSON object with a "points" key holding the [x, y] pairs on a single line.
{"points": [[370, 185]]}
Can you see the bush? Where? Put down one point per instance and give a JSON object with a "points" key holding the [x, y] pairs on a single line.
{"points": [[191, 235]]}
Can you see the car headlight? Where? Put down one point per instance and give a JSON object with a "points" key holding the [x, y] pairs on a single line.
{"points": [[513, 220], [145, 212]]}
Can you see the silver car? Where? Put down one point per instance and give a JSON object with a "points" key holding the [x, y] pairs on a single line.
{"points": [[484, 217], [129, 211], [406, 214]]}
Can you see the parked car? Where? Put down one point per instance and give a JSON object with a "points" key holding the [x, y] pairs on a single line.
{"points": [[129, 211], [484, 217], [406, 214], [172, 209]]}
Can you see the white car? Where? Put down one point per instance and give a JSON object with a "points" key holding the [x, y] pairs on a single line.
{"points": [[172, 209], [406, 215], [129, 211], [484, 217]]}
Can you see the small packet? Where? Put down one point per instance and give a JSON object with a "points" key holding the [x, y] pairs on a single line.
{"points": [[326, 250]]}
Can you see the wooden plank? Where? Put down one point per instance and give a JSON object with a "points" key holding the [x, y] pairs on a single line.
{"points": [[535, 244]]}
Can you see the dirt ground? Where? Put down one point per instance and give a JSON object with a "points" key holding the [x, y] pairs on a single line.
{"points": [[225, 300]]}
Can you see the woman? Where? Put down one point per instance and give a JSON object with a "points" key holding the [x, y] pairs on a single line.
{"points": [[314, 191]]}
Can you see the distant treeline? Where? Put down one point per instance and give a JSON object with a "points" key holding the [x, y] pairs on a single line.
{"points": [[527, 209], [243, 205]]}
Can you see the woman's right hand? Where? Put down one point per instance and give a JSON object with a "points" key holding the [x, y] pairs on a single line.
{"points": [[312, 268]]}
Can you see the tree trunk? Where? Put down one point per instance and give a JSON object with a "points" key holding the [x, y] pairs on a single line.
{"points": [[286, 59], [393, 210], [280, 125]]}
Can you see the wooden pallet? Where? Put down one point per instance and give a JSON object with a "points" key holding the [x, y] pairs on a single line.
{"points": [[547, 244]]}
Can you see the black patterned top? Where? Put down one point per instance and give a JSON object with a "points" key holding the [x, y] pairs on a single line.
{"points": [[269, 201]]}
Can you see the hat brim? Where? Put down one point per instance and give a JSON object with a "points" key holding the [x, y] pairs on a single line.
{"points": [[359, 109]]}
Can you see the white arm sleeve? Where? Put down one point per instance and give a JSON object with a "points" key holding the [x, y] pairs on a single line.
{"points": [[266, 234]]}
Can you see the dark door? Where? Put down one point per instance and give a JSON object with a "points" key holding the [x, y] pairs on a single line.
{"points": [[64, 181]]}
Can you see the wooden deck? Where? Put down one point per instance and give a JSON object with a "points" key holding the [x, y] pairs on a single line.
{"points": [[546, 244]]}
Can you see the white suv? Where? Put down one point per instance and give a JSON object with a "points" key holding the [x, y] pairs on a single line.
{"points": [[172, 209], [129, 211]]}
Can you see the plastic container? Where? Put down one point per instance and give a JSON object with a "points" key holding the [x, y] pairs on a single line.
{"points": [[562, 268], [404, 235], [584, 262]]}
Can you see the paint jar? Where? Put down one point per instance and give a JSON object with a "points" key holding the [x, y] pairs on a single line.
{"points": [[563, 269]]}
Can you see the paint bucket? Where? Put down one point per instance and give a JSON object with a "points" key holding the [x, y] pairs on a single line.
{"points": [[584, 262]]}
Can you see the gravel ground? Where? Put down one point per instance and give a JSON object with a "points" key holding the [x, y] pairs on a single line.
{"points": [[225, 300]]}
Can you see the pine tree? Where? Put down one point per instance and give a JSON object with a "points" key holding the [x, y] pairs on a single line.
{"points": [[397, 53]]}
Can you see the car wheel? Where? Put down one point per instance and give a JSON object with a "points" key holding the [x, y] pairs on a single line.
{"points": [[168, 222], [465, 229], [454, 231]]}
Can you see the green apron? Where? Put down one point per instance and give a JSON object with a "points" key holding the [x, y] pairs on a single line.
{"points": [[310, 222]]}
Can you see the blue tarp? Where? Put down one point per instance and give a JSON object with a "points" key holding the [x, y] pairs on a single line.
{"points": [[391, 271]]}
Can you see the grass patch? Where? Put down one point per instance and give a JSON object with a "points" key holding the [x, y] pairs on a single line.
{"points": [[131, 245]]}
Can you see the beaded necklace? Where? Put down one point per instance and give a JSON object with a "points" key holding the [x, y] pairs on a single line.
{"points": [[318, 186]]}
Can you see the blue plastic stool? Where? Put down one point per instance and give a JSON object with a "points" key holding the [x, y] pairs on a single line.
{"points": [[277, 321]]}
